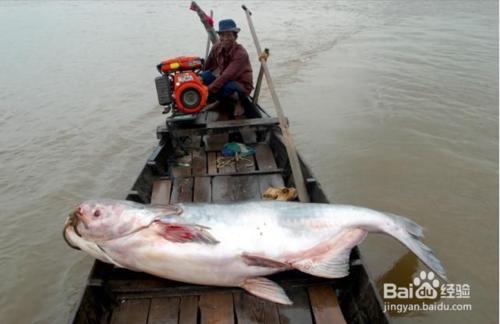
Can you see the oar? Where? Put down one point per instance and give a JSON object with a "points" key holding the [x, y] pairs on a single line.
{"points": [[290, 146], [208, 39], [206, 21]]}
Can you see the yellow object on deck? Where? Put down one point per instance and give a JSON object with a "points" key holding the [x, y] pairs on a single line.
{"points": [[281, 193]]}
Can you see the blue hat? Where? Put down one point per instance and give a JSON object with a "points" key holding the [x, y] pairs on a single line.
{"points": [[228, 25]]}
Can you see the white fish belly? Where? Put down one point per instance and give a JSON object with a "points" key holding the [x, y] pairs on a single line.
{"points": [[188, 262]]}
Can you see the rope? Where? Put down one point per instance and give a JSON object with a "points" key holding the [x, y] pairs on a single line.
{"points": [[264, 55], [229, 160]]}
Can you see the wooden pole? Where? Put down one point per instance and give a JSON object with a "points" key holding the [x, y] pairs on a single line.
{"points": [[288, 141], [208, 38], [258, 84], [206, 21]]}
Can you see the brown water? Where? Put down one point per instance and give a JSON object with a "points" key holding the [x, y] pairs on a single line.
{"points": [[394, 104]]}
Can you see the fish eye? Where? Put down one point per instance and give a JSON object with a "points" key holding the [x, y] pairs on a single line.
{"points": [[97, 213]]}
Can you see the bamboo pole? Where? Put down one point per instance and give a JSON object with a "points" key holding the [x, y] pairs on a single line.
{"points": [[288, 141]]}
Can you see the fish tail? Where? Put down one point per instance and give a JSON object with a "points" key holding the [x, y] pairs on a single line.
{"points": [[408, 225], [410, 234]]}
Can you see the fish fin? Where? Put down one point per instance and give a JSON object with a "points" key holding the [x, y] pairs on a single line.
{"points": [[162, 210], [110, 259], [259, 261], [330, 259], [409, 233], [266, 289], [185, 233]]}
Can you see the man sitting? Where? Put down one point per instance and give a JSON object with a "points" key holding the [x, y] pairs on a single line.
{"points": [[228, 73]]}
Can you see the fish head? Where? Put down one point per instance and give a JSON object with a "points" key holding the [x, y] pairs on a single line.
{"points": [[77, 242], [105, 220]]}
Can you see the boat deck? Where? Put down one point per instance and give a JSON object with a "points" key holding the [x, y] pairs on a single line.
{"points": [[213, 178], [316, 304]]}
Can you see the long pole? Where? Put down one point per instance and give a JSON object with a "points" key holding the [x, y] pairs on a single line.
{"points": [[206, 21], [208, 39], [289, 144], [258, 84]]}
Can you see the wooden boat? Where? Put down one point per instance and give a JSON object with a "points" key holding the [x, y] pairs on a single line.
{"points": [[183, 168]]}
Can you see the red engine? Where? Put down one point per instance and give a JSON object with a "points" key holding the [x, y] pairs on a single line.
{"points": [[180, 87]]}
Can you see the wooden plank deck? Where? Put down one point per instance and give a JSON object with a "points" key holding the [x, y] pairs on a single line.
{"points": [[188, 310], [251, 309], [149, 300], [161, 192], [202, 190], [131, 311], [325, 305], [216, 308], [242, 123], [209, 162], [299, 312], [164, 310]]}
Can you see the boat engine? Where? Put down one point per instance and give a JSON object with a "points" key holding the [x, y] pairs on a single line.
{"points": [[180, 87]]}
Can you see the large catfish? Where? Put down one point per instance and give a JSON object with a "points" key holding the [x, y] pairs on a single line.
{"points": [[234, 244]]}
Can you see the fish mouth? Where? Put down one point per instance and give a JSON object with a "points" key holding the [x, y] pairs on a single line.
{"points": [[72, 220]]}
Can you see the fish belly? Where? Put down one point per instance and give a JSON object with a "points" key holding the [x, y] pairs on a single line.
{"points": [[187, 262]]}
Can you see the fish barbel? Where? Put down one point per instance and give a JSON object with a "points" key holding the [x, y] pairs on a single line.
{"points": [[235, 244]]}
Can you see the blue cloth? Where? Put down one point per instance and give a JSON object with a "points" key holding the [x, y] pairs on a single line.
{"points": [[227, 90], [233, 148]]}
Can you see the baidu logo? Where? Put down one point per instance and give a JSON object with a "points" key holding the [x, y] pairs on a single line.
{"points": [[427, 286], [426, 293], [424, 286]]}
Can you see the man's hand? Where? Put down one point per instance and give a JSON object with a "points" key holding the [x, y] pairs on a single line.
{"points": [[211, 88]]}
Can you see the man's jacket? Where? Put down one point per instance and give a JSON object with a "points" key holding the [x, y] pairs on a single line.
{"points": [[232, 65]]}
